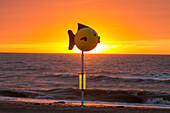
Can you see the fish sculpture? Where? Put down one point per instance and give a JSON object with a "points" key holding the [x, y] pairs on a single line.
{"points": [[85, 39]]}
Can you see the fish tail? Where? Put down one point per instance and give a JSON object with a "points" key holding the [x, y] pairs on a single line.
{"points": [[71, 40]]}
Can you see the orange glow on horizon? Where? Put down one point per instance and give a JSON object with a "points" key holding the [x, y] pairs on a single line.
{"points": [[116, 47], [125, 26]]}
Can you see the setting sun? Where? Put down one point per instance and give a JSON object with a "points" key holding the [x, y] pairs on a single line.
{"points": [[101, 48]]}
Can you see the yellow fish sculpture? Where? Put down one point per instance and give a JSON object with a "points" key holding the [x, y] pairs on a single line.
{"points": [[85, 39]]}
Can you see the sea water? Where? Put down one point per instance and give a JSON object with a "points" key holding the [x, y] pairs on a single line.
{"points": [[140, 80]]}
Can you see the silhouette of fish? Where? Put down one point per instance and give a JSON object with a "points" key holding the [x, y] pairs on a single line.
{"points": [[72, 36]]}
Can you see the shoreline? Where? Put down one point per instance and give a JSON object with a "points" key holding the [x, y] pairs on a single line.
{"points": [[78, 103], [27, 107], [37, 101]]}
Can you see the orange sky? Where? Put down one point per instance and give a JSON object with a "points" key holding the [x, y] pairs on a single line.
{"points": [[125, 26]]}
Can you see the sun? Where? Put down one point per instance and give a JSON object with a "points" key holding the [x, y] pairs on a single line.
{"points": [[98, 49], [101, 49]]}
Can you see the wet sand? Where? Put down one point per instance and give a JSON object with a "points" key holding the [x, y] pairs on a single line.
{"points": [[20, 107]]}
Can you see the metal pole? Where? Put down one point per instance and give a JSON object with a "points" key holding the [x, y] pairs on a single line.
{"points": [[82, 62], [82, 74], [82, 99]]}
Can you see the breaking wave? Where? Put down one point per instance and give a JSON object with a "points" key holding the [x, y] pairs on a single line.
{"points": [[129, 96], [158, 101]]}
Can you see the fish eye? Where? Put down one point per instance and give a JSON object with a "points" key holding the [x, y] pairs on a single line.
{"points": [[95, 34]]}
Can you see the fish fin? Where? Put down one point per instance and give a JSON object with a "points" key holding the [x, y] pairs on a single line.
{"points": [[71, 40], [80, 26]]}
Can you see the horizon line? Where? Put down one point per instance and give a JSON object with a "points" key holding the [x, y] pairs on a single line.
{"points": [[78, 53]]}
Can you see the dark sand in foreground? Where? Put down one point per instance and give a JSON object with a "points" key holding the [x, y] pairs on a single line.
{"points": [[19, 107]]}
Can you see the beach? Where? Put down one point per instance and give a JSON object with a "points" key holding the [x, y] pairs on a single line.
{"points": [[24, 107]]}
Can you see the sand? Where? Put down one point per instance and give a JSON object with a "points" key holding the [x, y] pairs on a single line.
{"points": [[21, 107]]}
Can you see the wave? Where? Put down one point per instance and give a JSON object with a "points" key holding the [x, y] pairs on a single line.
{"points": [[155, 76], [129, 96], [157, 101], [128, 80], [61, 75], [107, 72], [158, 76], [114, 78], [12, 93], [18, 62], [20, 69], [64, 75]]}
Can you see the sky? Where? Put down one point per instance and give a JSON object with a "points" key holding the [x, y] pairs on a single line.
{"points": [[125, 26]]}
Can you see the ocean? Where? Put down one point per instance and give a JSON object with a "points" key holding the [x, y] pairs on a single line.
{"points": [[134, 80]]}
